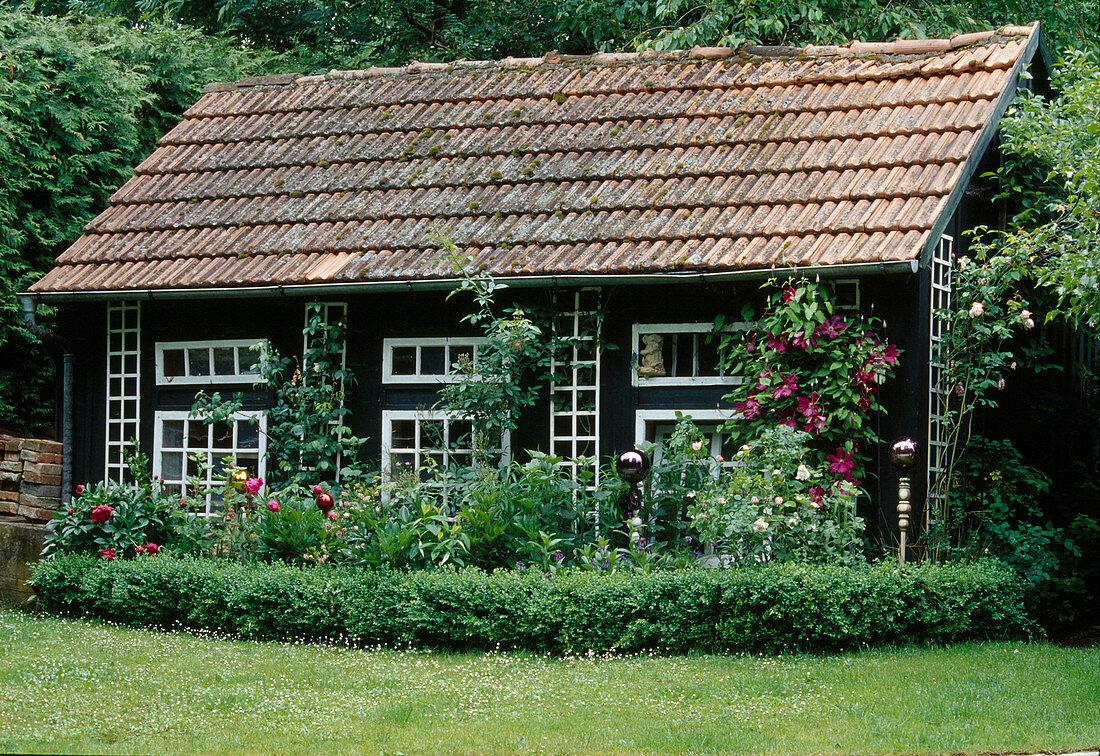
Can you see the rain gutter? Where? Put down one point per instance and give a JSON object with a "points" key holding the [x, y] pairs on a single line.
{"points": [[447, 284]]}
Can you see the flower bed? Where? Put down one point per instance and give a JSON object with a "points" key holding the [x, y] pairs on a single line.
{"points": [[769, 608]]}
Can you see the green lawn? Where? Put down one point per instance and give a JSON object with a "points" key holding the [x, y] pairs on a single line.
{"points": [[87, 687]]}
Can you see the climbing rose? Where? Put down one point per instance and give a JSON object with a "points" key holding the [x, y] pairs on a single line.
{"points": [[1028, 324], [273, 505], [696, 445], [102, 513], [977, 310], [107, 554], [803, 473], [760, 525]]}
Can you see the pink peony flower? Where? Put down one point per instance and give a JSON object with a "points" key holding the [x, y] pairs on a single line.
{"points": [[102, 513], [106, 554], [273, 506], [79, 490], [252, 485], [317, 491]]}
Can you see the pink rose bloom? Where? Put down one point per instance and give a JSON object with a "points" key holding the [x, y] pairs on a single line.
{"points": [[106, 554], [273, 506], [696, 445], [317, 491], [252, 485], [101, 514]]}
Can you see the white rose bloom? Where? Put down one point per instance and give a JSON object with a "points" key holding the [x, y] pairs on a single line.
{"points": [[803, 473], [977, 310], [760, 525]]}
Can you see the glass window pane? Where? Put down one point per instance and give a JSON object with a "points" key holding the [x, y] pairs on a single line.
{"points": [[196, 435], [222, 435], [431, 434], [685, 356], [224, 363], [198, 361], [171, 435], [171, 465], [401, 462], [708, 355], [172, 363], [403, 434], [460, 434], [249, 462], [249, 360], [404, 361], [248, 435], [432, 361]]}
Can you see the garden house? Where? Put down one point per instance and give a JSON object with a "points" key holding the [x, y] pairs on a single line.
{"points": [[636, 195]]}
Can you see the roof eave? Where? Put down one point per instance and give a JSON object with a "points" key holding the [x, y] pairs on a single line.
{"points": [[337, 288]]}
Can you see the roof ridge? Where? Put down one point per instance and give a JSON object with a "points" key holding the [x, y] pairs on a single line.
{"points": [[855, 48]]}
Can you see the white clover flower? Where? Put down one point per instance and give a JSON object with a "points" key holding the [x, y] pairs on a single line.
{"points": [[803, 473]]}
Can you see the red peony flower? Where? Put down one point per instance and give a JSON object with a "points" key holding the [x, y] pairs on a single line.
{"points": [[102, 513], [273, 506], [79, 490], [106, 554], [152, 548]]}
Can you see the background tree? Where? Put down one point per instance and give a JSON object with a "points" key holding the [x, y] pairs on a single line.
{"points": [[81, 102]]}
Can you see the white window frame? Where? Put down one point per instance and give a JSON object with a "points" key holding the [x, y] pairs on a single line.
{"points": [[644, 417], [638, 329], [424, 415], [160, 416], [210, 345], [446, 342]]}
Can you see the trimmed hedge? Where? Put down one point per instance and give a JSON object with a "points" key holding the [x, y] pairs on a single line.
{"points": [[769, 608]]}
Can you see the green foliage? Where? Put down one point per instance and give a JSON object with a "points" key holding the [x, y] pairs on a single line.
{"points": [[307, 434], [772, 506], [126, 517], [763, 609], [82, 100], [809, 368], [1058, 240]]}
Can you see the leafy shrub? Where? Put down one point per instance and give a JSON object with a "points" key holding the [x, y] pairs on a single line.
{"points": [[774, 507], [111, 520], [769, 608]]}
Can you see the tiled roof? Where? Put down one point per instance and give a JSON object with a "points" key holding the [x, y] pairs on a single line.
{"points": [[709, 160]]}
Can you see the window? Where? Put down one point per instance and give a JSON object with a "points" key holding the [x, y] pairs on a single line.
{"points": [[426, 360], [655, 426], [206, 362], [678, 354], [427, 441], [123, 381], [179, 438]]}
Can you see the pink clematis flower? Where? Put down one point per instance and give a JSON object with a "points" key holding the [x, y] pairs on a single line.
{"points": [[750, 408], [777, 343], [801, 340], [786, 387], [788, 294], [841, 463]]}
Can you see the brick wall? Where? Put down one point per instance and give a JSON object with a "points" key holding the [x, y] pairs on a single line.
{"points": [[30, 478]]}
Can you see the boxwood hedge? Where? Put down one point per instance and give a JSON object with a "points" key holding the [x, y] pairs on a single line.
{"points": [[769, 608]]}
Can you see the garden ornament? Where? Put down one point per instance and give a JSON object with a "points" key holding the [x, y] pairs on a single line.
{"points": [[903, 453], [632, 466], [651, 360]]}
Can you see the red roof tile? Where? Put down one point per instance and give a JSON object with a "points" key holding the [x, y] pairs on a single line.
{"points": [[709, 160]]}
